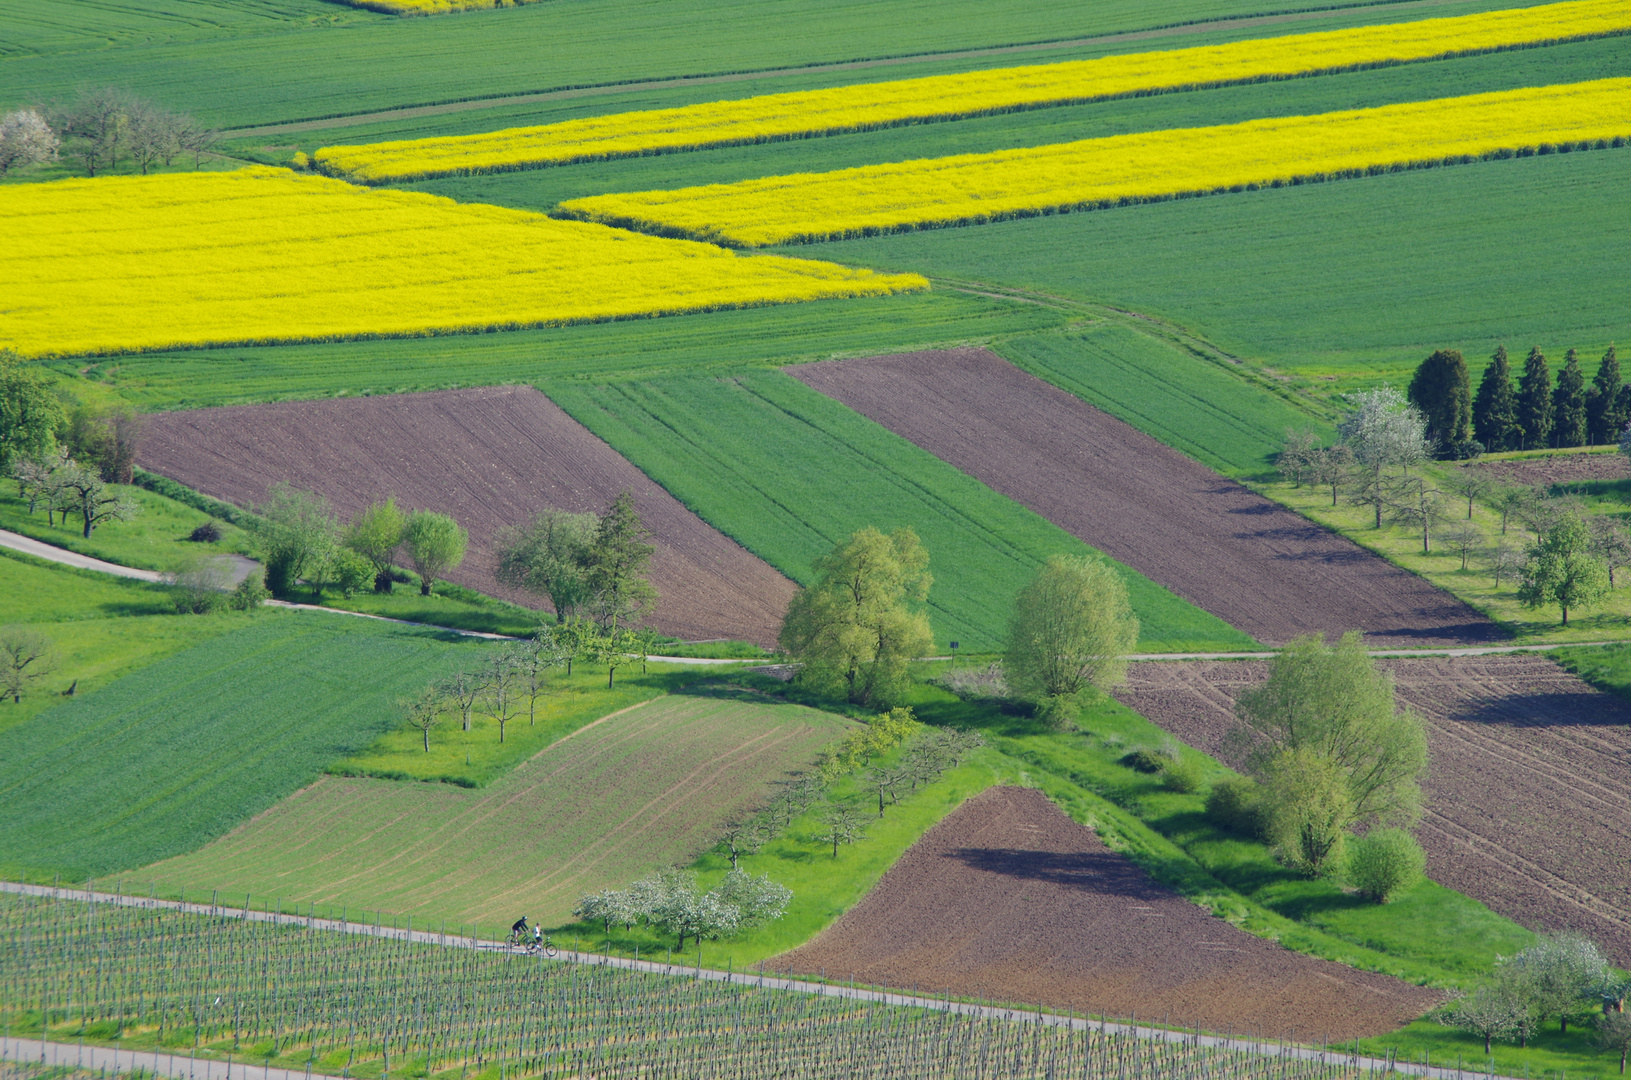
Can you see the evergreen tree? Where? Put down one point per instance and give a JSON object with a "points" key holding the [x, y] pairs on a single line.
{"points": [[1442, 391], [1495, 412], [1535, 401], [1604, 419], [1569, 404]]}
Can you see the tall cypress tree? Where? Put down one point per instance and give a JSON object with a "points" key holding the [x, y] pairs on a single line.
{"points": [[1603, 415], [1569, 404], [1442, 391], [1535, 401], [1495, 413]]}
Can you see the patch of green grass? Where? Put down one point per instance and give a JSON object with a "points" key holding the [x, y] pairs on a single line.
{"points": [[1607, 667], [238, 78], [35, 590], [475, 758], [448, 605], [542, 189], [633, 348], [61, 26], [1548, 1053], [1340, 284], [1189, 403], [789, 473], [155, 539], [169, 757]]}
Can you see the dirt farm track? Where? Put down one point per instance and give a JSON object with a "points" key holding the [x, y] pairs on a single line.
{"points": [[1529, 795], [1253, 563], [491, 457], [1009, 898]]}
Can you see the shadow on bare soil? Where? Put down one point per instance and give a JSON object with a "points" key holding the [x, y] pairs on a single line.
{"points": [[1096, 871]]}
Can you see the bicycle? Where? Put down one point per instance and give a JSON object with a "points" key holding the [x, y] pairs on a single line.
{"points": [[533, 946]]}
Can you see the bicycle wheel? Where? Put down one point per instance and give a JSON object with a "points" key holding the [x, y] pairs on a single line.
{"points": [[551, 951]]}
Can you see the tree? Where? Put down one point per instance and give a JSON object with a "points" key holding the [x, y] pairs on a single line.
{"points": [[375, 534], [546, 557], [26, 656], [1604, 420], [1330, 466], [1536, 410], [1307, 807], [1494, 1010], [757, 900], [743, 836], [296, 532], [1562, 569], [1385, 862], [39, 480], [1614, 1033], [1071, 630], [1510, 500], [462, 689], [1336, 703], [94, 127], [499, 683], [1505, 560], [30, 413], [616, 564], [1442, 391], [107, 439], [344, 569], [424, 712], [1495, 410], [687, 911], [534, 659], [1470, 484], [1569, 404], [1411, 502], [88, 495], [1611, 543], [1382, 431], [435, 544], [26, 139], [1292, 461], [1463, 538], [841, 823], [855, 629], [1560, 971]]}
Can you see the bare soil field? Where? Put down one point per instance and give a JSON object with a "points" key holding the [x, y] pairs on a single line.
{"points": [[1529, 793], [490, 457], [1009, 898], [637, 791], [1558, 468], [1260, 567]]}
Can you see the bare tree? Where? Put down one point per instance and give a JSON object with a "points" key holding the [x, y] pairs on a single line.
{"points": [[1331, 467], [1463, 538], [462, 689], [25, 657], [743, 836], [40, 480], [499, 685], [1611, 543], [1469, 484], [1505, 560], [89, 496], [195, 139], [1415, 504], [424, 712], [842, 824], [534, 658], [886, 781], [1614, 1034], [1509, 502]]}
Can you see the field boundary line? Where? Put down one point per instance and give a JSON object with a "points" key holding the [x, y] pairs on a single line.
{"points": [[439, 108], [219, 1070]]}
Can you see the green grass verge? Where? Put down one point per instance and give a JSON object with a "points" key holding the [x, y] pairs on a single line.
{"points": [[542, 189], [155, 539], [1548, 1054], [175, 754], [1190, 403], [788, 473], [1335, 285], [633, 348], [475, 758], [36, 590]]}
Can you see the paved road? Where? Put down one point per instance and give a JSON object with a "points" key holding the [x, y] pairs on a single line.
{"points": [[41, 550], [217, 1070]]}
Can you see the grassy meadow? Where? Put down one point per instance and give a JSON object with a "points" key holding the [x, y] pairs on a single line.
{"points": [[154, 539], [788, 473]]}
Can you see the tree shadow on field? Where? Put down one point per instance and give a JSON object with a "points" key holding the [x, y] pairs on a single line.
{"points": [[1103, 872], [1550, 709]]}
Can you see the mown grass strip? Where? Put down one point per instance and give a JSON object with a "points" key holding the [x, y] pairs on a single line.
{"points": [[788, 473], [262, 255], [1122, 169], [866, 107]]}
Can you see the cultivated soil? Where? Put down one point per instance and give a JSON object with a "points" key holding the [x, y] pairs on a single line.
{"points": [[650, 787], [1009, 898], [490, 457], [1260, 567], [1558, 468], [1529, 792]]}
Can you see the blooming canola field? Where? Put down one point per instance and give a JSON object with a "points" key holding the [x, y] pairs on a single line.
{"points": [[944, 97], [263, 255], [970, 188]]}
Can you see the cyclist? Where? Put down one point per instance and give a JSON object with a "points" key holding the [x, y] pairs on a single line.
{"points": [[518, 931]]}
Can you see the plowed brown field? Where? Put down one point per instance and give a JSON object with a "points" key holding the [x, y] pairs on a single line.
{"points": [[1009, 898], [1529, 792], [1557, 468], [490, 457], [1257, 565]]}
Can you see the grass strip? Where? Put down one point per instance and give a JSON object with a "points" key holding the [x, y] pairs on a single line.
{"points": [[1122, 169]]}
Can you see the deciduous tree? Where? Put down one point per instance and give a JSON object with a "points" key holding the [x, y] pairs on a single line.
{"points": [[88, 495], [1536, 411], [1471, 484], [1614, 1034], [1071, 630], [375, 534], [1494, 1010], [424, 711], [1561, 971], [1382, 431], [1562, 569], [859, 626], [26, 656], [26, 139], [546, 557], [1306, 807], [296, 532], [616, 564], [1495, 410], [1442, 392], [435, 544], [30, 413], [1463, 538]]}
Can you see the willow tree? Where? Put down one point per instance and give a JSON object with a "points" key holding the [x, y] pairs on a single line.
{"points": [[1071, 630]]}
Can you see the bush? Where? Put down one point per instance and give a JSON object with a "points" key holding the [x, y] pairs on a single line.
{"points": [[200, 586], [1058, 712], [207, 533], [1145, 760], [280, 572], [249, 594], [1183, 776], [351, 571], [1236, 804], [1385, 862]]}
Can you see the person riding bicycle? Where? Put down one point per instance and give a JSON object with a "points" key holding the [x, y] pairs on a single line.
{"points": [[538, 937], [518, 930]]}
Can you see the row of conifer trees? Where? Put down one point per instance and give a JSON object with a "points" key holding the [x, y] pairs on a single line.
{"points": [[1530, 415]]}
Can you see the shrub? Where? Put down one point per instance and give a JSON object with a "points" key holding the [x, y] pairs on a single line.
{"points": [[249, 594], [1385, 862], [1183, 776], [207, 533], [280, 564], [200, 586], [1144, 760], [351, 571], [1236, 804], [1058, 712]]}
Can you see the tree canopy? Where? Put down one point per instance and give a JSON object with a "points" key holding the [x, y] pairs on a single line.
{"points": [[1495, 411], [435, 544], [1536, 409], [1563, 568], [547, 557], [1071, 630], [30, 413], [375, 534], [1442, 391]]}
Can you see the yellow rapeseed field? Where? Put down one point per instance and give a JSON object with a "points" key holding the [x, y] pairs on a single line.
{"points": [[433, 7], [1099, 172], [852, 108], [264, 255]]}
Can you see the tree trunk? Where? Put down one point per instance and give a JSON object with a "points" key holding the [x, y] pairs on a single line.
{"points": [[382, 582], [1565, 607], [427, 740], [1486, 1043], [610, 671], [424, 586], [89, 522]]}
